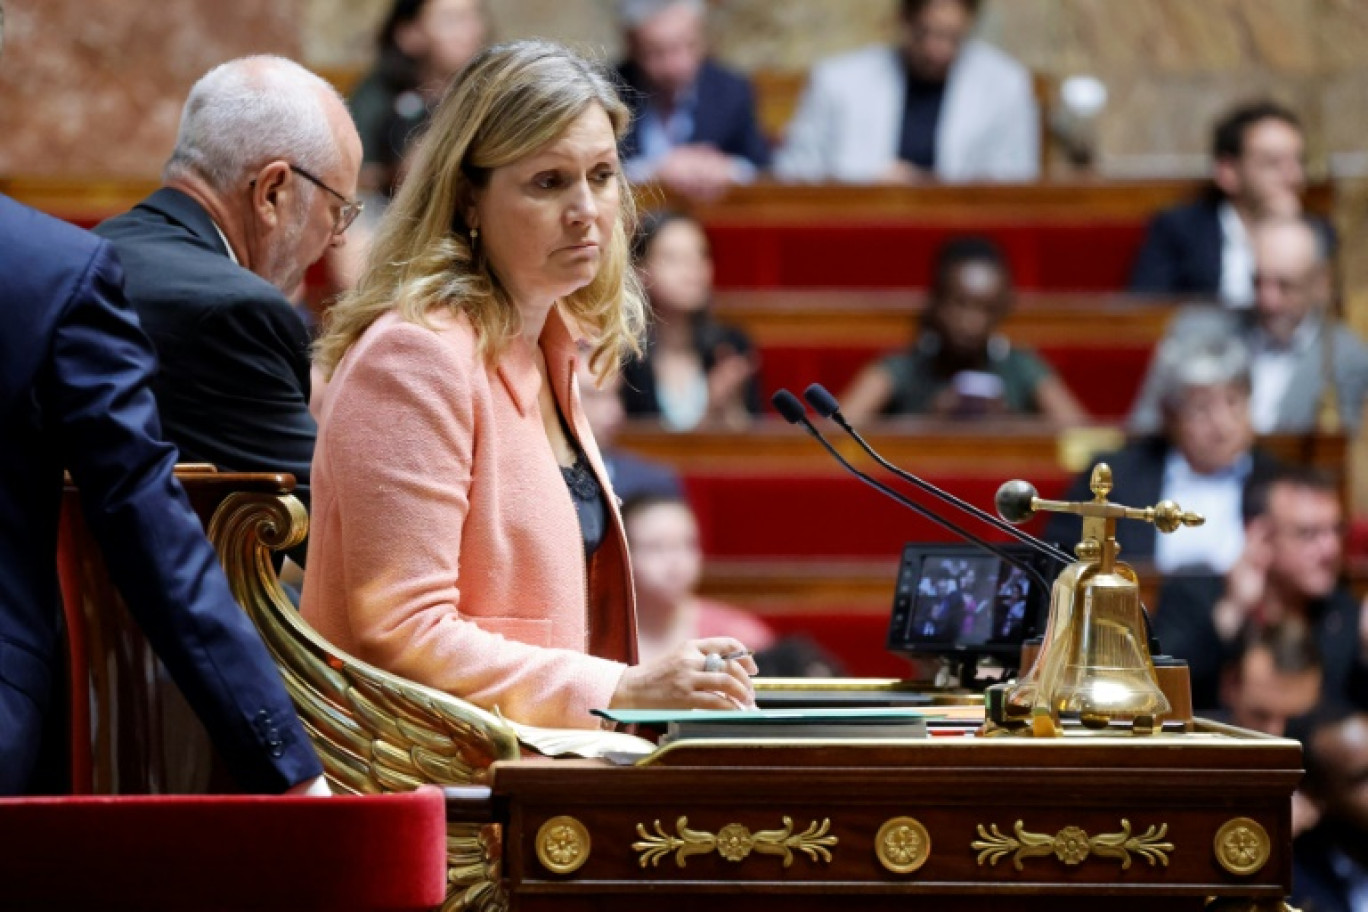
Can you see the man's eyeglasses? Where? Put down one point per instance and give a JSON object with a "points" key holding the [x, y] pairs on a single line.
{"points": [[351, 208]]}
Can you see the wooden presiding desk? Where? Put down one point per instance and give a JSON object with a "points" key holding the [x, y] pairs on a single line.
{"points": [[1121, 823]]}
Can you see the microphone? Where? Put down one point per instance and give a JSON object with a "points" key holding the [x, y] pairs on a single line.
{"points": [[826, 405], [793, 411]]}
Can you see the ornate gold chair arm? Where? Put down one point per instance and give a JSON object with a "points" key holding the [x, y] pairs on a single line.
{"points": [[375, 732]]}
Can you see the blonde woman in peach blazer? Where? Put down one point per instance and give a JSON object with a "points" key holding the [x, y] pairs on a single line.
{"points": [[464, 534]]}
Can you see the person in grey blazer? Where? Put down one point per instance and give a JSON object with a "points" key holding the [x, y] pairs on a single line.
{"points": [[938, 105], [1294, 344]]}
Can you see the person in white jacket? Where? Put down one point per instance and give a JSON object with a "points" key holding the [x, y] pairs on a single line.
{"points": [[939, 105]]}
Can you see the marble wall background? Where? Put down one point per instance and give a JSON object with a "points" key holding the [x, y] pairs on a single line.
{"points": [[118, 69]]}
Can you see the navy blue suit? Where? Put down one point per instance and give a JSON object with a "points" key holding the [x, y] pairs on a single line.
{"points": [[1181, 254], [74, 374], [1182, 251], [724, 118]]}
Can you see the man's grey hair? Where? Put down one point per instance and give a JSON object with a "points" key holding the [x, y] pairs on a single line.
{"points": [[1210, 352], [250, 111], [634, 13]]}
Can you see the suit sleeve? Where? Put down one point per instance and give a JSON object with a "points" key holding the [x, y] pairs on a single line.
{"points": [[1155, 270], [156, 551], [1015, 155], [255, 361], [806, 153]]}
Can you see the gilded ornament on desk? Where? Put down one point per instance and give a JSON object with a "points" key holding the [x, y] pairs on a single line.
{"points": [[562, 845], [1242, 846], [1072, 845], [734, 842], [902, 844], [1094, 663]]}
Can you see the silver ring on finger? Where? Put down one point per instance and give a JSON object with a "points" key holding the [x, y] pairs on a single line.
{"points": [[713, 663]]}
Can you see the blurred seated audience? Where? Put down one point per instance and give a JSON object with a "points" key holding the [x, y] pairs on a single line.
{"points": [[694, 127], [1290, 331], [694, 370], [667, 565], [1201, 459], [1204, 247], [1330, 862], [261, 183], [422, 45], [630, 476], [958, 366], [1289, 571], [938, 105], [1273, 676]]}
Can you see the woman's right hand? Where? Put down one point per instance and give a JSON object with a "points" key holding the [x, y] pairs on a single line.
{"points": [[677, 679]]}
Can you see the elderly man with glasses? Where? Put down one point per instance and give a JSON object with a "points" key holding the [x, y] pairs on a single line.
{"points": [[1308, 371], [261, 184]]}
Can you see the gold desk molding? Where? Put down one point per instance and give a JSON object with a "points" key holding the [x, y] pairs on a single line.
{"points": [[1072, 845], [734, 842], [1242, 846], [902, 845], [563, 845]]}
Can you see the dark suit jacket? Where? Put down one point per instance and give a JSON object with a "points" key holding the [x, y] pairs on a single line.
{"points": [[1138, 473], [1185, 629], [725, 117], [1181, 254], [1316, 885], [633, 477], [74, 374], [233, 378]]}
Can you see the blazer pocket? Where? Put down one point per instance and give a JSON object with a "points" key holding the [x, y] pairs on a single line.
{"points": [[532, 631], [25, 672]]}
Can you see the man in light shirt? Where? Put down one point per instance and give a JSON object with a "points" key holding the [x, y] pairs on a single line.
{"points": [[1295, 345], [1204, 247], [1200, 453], [694, 126]]}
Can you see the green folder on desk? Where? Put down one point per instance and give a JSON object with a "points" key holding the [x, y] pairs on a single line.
{"points": [[864, 722]]}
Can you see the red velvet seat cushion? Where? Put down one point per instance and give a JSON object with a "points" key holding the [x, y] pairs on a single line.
{"points": [[191, 853]]}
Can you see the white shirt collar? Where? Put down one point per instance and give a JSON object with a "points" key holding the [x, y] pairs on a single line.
{"points": [[1237, 258], [227, 246]]}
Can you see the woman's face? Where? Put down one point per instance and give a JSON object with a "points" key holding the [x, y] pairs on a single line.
{"points": [[677, 267], [445, 36], [974, 302], [545, 219]]}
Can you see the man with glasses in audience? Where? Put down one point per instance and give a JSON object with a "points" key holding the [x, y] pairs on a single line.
{"points": [[1204, 247], [1289, 572], [261, 184], [1295, 344]]}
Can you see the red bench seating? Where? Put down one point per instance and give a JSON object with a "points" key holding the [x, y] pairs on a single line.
{"points": [[201, 853], [1088, 255]]}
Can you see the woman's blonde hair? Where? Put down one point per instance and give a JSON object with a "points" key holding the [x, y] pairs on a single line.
{"points": [[510, 101]]}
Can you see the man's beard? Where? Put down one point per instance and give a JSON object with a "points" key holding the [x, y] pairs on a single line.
{"points": [[284, 267]]}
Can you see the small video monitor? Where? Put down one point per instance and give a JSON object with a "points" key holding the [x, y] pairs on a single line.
{"points": [[959, 600]]}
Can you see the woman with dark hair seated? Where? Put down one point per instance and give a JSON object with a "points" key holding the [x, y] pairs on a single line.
{"points": [[695, 370], [422, 45], [959, 365]]}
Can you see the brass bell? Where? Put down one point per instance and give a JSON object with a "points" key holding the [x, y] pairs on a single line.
{"points": [[1095, 662]]}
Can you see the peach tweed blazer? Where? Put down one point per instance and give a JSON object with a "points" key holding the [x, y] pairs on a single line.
{"points": [[444, 545]]}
